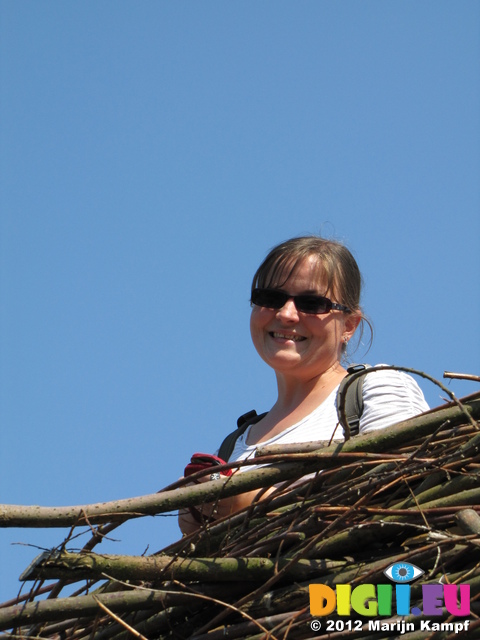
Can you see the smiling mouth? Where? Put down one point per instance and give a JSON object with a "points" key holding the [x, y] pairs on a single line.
{"points": [[287, 336]]}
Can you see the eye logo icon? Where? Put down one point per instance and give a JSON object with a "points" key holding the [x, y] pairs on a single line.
{"points": [[403, 572]]}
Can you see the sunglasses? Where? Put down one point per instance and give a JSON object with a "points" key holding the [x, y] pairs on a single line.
{"points": [[307, 303]]}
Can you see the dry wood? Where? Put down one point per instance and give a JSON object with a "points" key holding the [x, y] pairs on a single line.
{"points": [[461, 376], [408, 494], [160, 567], [165, 501]]}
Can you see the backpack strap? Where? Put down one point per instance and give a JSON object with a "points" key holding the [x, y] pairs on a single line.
{"points": [[353, 411], [353, 399], [244, 421]]}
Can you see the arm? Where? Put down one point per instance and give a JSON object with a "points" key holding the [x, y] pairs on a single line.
{"points": [[222, 508]]}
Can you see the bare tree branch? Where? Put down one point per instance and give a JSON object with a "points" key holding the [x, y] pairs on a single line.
{"points": [[385, 440]]}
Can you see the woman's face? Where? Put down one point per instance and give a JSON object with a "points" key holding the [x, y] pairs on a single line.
{"points": [[300, 344]]}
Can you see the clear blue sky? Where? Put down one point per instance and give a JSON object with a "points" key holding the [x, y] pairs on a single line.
{"points": [[151, 153]]}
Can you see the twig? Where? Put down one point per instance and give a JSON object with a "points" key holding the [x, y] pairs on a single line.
{"points": [[121, 622], [232, 607], [461, 376]]}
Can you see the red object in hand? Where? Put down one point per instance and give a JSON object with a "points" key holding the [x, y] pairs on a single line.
{"points": [[202, 461], [198, 462]]}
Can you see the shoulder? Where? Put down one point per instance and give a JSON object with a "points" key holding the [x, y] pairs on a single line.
{"points": [[388, 381], [389, 377], [390, 396]]}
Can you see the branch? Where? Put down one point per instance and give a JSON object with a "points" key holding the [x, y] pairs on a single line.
{"points": [[166, 501], [461, 376], [83, 606], [152, 504], [119, 620], [392, 437], [49, 566]]}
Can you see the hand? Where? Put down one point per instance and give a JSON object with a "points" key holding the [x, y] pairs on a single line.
{"points": [[191, 519], [219, 509], [187, 522]]}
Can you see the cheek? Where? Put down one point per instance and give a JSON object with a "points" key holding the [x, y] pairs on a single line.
{"points": [[325, 328], [255, 331], [254, 322], [259, 318]]}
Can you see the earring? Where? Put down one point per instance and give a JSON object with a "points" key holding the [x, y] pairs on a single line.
{"points": [[345, 340]]}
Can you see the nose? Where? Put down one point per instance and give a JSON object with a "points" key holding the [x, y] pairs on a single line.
{"points": [[288, 311]]}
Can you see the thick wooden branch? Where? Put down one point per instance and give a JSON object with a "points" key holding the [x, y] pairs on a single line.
{"points": [[83, 606], [139, 568], [152, 504], [469, 521], [315, 459], [390, 439]]}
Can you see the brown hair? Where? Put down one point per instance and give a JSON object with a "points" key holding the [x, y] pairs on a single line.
{"points": [[335, 261]]}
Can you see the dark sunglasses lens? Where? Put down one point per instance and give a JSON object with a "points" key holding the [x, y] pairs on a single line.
{"points": [[272, 299], [268, 298], [311, 304]]}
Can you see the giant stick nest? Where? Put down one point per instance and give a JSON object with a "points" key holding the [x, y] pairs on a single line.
{"points": [[342, 514]]}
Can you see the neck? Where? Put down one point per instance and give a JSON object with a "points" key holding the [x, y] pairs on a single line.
{"points": [[293, 392]]}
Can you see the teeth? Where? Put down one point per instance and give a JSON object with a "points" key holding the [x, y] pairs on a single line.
{"points": [[288, 336]]}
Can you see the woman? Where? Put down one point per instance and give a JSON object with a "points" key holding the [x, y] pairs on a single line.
{"points": [[305, 310]]}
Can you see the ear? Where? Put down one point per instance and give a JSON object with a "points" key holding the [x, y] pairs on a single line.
{"points": [[352, 320]]}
